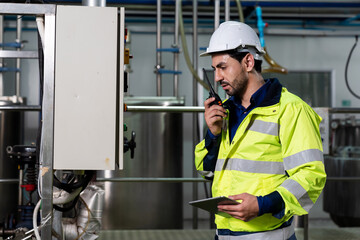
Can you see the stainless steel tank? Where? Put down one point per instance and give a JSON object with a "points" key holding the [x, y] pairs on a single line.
{"points": [[158, 154], [10, 134], [342, 197]]}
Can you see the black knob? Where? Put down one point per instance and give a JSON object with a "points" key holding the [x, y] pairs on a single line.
{"points": [[130, 144]]}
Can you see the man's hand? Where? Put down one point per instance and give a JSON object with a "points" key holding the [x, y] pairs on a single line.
{"points": [[214, 116], [246, 210]]}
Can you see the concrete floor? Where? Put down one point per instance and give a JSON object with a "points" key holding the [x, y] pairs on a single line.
{"points": [[319, 229], [316, 233]]}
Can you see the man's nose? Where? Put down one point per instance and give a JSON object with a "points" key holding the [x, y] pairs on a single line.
{"points": [[218, 76]]}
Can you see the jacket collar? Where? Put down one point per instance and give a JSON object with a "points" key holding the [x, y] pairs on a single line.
{"points": [[273, 93]]}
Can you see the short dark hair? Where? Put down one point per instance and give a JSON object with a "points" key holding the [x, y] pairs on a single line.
{"points": [[240, 55]]}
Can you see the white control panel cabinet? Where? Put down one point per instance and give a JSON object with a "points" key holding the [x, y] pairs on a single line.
{"points": [[85, 88]]}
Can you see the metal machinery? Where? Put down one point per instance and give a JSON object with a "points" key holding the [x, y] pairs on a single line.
{"points": [[158, 155], [10, 135], [81, 91], [341, 197]]}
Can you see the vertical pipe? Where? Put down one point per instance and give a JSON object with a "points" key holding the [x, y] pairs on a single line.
{"points": [[21, 175], [216, 25], [217, 14], [1, 60], [227, 10], [47, 135], [195, 103], [18, 40], [176, 45], [158, 46], [306, 227]]}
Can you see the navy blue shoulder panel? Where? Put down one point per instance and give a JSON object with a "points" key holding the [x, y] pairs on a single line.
{"points": [[273, 94]]}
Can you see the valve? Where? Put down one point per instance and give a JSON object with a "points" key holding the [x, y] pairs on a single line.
{"points": [[130, 144]]}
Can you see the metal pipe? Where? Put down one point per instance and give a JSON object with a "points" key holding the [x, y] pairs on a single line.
{"points": [[21, 172], [158, 46], [18, 60], [227, 10], [344, 110], [176, 45], [9, 180], [169, 180], [20, 108], [94, 3], [217, 14], [164, 109], [195, 103], [306, 227], [1, 60], [348, 179], [18, 54]]}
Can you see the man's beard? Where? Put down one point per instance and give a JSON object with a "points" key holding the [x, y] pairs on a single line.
{"points": [[238, 88]]}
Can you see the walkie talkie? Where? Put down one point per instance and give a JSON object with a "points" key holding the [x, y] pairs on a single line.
{"points": [[212, 93]]}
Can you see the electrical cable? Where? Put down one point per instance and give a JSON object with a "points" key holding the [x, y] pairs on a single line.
{"points": [[36, 230], [346, 69]]}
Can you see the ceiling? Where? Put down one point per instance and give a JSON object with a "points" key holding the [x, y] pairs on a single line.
{"points": [[322, 17]]}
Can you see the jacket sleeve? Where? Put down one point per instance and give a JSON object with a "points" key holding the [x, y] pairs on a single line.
{"points": [[206, 153], [302, 157]]}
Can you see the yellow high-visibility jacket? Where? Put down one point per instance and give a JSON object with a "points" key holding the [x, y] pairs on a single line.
{"points": [[277, 147]]}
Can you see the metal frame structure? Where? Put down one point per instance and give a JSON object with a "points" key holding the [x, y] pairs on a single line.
{"points": [[48, 12], [47, 140]]}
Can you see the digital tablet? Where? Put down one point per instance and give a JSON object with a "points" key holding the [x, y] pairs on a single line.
{"points": [[210, 204]]}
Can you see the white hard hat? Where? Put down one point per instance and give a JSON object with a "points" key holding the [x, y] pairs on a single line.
{"points": [[233, 35]]}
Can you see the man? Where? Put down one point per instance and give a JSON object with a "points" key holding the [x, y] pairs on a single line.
{"points": [[264, 150]]}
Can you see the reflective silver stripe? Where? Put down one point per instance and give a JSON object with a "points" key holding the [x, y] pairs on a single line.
{"points": [[219, 164], [303, 157], [299, 192], [270, 128], [206, 173], [278, 234], [250, 166]]}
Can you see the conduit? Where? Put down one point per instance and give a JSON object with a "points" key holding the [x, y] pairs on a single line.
{"points": [[185, 49], [41, 28], [241, 14], [274, 67]]}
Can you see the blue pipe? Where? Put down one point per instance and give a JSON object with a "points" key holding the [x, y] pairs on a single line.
{"points": [[352, 19], [260, 25], [174, 50], [11, 44], [6, 69], [165, 71], [301, 4]]}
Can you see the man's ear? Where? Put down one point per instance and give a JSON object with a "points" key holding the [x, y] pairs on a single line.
{"points": [[249, 62]]}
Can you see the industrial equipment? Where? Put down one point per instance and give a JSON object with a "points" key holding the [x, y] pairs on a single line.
{"points": [[82, 87], [343, 164], [158, 155], [11, 134]]}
